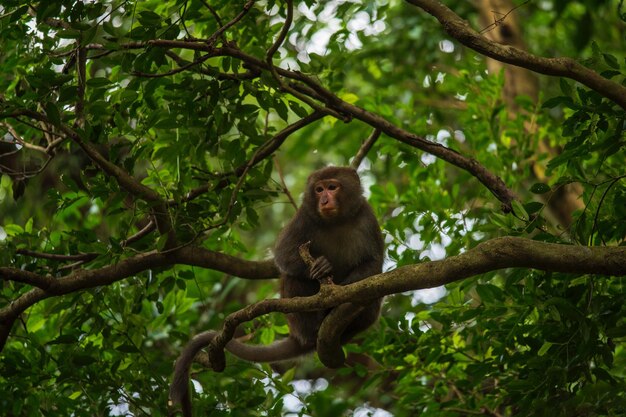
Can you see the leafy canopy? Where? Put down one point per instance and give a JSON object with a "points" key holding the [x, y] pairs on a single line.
{"points": [[133, 127]]}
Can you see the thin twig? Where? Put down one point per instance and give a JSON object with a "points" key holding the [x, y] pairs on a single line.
{"points": [[269, 59], [221, 30], [264, 151], [282, 35], [213, 12], [595, 218], [20, 140], [181, 68], [57, 256], [498, 22], [365, 148], [81, 71], [283, 186], [141, 233]]}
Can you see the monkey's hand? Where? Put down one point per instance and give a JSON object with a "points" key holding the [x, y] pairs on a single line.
{"points": [[321, 270]]}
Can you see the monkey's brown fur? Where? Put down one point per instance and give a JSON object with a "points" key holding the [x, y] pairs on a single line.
{"points": [[346, 242]]}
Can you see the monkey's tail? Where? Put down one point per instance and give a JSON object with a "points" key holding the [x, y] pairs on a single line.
{"points": [[288, 348], [281, 350], [179, 390]]}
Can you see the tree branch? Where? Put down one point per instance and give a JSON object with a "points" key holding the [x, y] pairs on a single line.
{"points": [[460, 30], [26, 277], [269, 57], [365, 148], [337, 107], [221, 30], [83, 279], [499, 253], [85, 257]]}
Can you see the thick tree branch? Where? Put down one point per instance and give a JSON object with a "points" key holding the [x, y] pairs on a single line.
{"points": [[26, 277], [562, 67], [499, 253], [84, 279], [315, 90]]}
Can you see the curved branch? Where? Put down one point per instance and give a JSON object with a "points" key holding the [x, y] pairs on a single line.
{"points": [[313, 89], [562, 67], [146, 230], [337, 107], [499, 253]]}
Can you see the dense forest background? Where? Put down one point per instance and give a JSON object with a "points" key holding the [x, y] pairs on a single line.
{"points": [[151, 151]]}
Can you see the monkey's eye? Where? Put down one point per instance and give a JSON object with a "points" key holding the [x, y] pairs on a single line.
{"points": [[332, 187], [319, 189]]}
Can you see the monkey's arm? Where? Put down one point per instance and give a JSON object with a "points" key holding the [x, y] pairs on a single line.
{"points": [[286, 255]]}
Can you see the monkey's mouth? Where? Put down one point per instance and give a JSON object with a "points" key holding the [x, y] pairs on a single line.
{"points": [[329, 212]]}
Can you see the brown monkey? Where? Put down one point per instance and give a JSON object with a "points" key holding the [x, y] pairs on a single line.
{"points": [[346, 242]]}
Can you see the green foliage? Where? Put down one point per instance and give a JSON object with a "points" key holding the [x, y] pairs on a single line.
{"points": [[187, 120]]}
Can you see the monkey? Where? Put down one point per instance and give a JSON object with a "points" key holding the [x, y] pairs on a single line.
{"points": [[345, 241]]}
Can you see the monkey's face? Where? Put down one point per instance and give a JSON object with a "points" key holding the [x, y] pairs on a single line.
{"points": [[328, 194]]}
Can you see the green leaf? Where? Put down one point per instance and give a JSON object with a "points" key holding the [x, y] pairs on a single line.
{"points": [[489, 293], [533, 207], [566, 88], [53, 114], [68, 34], [298, 109], [544, 348], [98, 82], [29, 226], [616, 332], [162, 241], [540, 188], [281, 109], [80, 359], [13, 229], [149, 18], [63, 339], [558, 101], [611, 61], [519, 210], [127, 348]]}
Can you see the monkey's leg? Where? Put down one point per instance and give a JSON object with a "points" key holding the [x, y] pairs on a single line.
{"points": [[340, 325], [330, 336]]}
